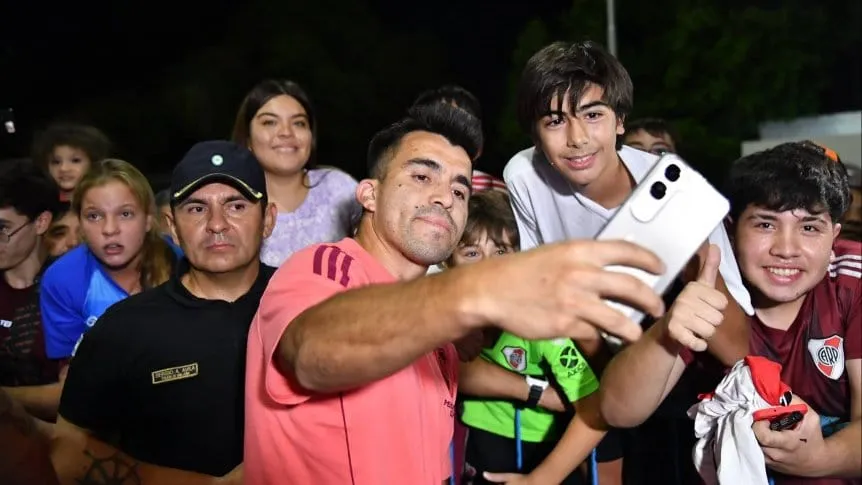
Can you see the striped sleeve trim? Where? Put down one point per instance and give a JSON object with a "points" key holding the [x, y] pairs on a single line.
{"points": [[332, 263]]}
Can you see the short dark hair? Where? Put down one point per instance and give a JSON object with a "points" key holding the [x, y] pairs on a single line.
{"points": [[451, 93], [456, 125], [795, 175], [657, 127], [26, 189], [89, 139], [258, 96], [570, 67]]}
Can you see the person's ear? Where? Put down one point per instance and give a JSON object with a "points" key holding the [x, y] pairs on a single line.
{"points": [[270, 215], [621, 125], [366, 194], [43, 222]]}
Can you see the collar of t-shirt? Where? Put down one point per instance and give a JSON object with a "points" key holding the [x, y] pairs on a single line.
{"points": [[636, 163], [374, 268], [178, 291], [36, 280]]}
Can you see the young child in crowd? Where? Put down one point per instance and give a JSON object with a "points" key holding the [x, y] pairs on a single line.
{"points": [[67, 151], [124, 254], [510, 438]]}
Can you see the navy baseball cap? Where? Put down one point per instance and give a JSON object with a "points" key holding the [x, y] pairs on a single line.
{"points": [[218, 161]]}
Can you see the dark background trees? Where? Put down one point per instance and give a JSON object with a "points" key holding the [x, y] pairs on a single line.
{"points": [[158, 76]]}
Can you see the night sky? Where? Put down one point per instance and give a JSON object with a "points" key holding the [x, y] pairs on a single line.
{"points": [[56, 57]]}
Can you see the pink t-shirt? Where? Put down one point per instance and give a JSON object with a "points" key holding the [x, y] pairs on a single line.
{"points": [[393, 431]]}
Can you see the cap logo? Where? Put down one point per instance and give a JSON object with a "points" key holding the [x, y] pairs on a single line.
{"points": [[217, 160]]}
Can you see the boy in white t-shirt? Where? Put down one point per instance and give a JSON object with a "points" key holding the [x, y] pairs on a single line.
{"points": [[572, 100]]}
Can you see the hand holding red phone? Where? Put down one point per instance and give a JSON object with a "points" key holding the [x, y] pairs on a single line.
{"points": [[796, 449], [782, 418]]}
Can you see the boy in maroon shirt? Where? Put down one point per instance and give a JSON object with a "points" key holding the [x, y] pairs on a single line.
{"points": [[786, 204], [28, 201], [805, 282]]}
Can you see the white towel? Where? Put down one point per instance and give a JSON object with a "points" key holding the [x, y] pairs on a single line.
{"points": [[727, 451]]}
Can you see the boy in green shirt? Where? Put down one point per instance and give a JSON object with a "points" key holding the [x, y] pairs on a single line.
{"points": [[550, 452]]}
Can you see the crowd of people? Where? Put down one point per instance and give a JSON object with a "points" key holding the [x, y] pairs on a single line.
{"points": [[270, 320]]}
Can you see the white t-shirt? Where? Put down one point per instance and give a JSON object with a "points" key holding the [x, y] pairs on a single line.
{"points": [[549, 210]]}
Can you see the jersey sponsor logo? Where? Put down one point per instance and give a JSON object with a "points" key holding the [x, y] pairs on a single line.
{"points": [[828, 355], [570, 361], [516, 357], [175, 373], [326, 264]]}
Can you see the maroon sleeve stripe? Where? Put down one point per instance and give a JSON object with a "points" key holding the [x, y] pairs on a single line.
{"points": [[340, 275], [318, 259]]}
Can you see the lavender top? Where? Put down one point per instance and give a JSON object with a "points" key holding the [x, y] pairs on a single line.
{"points": [[327, 214]]}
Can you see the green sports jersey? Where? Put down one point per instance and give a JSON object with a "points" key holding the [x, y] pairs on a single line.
{"points": [[535, 358]]}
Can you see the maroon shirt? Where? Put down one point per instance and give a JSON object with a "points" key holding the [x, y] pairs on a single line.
{"points": [[826, 334], [813, 351], [23, 361]]}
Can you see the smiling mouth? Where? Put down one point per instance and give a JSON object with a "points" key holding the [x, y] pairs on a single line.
{"points": [[580, 160], [783, 272]]}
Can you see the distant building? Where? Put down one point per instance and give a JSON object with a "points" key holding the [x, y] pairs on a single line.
{"points": [[841, 132]]}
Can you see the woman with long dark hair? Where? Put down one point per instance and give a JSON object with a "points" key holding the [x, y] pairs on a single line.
{"points": [[277, 122]]}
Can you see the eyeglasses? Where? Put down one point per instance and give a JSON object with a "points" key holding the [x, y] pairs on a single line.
{"points": [[5, 237]]}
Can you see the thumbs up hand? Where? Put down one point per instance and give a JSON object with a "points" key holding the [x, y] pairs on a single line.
{"points": [[698, 309]]}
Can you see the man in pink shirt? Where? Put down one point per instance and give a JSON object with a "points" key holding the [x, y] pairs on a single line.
{"points": [[351, 375]]}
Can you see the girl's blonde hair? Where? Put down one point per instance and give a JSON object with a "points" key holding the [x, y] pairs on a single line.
{"points": [[156, 256]]}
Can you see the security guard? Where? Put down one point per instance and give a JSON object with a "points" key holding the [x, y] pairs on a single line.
{"points": [[155, 390]]}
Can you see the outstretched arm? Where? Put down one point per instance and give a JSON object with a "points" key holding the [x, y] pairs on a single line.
{"points": [[582, 435], [639, 378], [481, 378], [78, 457], [363, 335]]}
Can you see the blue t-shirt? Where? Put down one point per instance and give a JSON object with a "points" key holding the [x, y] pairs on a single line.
{"points": [[75, 292]]}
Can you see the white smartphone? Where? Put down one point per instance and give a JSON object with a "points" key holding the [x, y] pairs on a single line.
{"points": [[671, 212]]}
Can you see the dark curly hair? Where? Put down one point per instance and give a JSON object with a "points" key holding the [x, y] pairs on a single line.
{"points": [[796, 175], [91, 140]]}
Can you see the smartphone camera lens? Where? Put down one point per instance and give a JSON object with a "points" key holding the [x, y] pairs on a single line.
{"points": [[658, 190], [672, 173]]}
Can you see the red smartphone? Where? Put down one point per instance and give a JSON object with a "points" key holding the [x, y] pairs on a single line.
{"points": [[782, 417]]}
